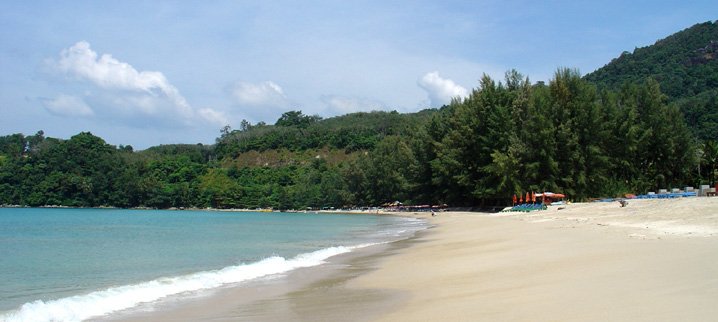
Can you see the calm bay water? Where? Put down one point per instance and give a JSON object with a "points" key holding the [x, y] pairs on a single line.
{"points": [[72, 264]]}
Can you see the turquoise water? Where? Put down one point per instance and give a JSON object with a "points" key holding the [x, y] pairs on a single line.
{"points": [[57, 263]]}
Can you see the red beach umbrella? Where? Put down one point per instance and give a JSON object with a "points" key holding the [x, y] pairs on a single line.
{"points": [[514, 199], [528, 196], [521, 198]]}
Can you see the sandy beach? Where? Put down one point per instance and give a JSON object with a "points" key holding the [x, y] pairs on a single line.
{"points": [[654, 260]]}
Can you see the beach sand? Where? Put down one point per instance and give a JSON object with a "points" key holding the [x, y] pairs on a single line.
{"points": [[654, 260]]}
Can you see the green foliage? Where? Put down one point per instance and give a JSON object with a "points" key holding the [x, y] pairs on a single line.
{"points": [[12, 146], [385, 172], [610, 133], [296, 118], [709, 161], [505, 138], [567, 137], [84, 171], [685, 65], [218, 190], [646, 120], [297, 132], [701, 114], [195, 152]]}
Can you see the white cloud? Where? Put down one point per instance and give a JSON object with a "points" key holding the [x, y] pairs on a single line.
{"points": [[441, 90], [264, 94], [127, 91], [264, 101], [338, 105], [213, 116], [67, 105], [107, 72]]}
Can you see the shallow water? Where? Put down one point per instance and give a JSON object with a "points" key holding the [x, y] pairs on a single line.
{"points": [[58, 263]]}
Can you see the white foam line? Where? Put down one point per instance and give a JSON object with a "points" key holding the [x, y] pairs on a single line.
{"points": [[81, 307]]}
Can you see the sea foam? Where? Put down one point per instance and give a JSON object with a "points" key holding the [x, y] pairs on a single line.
{"points": [[81, 307]]}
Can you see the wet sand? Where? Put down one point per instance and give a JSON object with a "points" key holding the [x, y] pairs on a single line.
{"points": [[307, 294], [655, 260]]}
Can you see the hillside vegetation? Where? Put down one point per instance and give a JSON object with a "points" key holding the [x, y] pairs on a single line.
{"points": [[505, 138], [295, 131], [647, 120], [685, 64]]}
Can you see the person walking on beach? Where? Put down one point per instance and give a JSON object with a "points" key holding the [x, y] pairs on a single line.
{"points": [[433, 214]]}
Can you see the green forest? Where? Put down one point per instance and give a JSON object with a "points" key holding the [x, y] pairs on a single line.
{"points": [[686, 66], [602, 135]]}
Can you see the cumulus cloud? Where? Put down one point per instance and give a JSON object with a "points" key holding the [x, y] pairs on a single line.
{"points": [[213, 116], [263, 101], [441, 90], [67, 105], [342, 105], [264, 94], [146, 92]]}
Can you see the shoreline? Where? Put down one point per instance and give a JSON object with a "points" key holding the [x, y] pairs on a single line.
{"points": [[302, 294], [188, 284], [241, 210], [653, 260]]}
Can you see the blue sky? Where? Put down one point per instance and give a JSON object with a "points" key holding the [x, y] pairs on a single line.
{"points": [[144, 73]]}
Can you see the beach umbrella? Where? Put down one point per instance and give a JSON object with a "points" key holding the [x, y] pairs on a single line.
{"points": [[514, 199], [528, 197], [521, 198], [533, 197], [553, 195]]}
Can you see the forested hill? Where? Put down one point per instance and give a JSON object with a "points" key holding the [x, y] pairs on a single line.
{"points": [[685, 64], [609, 133], [295, 131], [506, 138]]}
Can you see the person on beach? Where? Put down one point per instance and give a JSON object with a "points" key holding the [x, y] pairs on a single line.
{"points": [[433, 214]]}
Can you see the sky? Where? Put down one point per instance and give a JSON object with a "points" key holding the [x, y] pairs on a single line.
{"points": [[144, 73]]}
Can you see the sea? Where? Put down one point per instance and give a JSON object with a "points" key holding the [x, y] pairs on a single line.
{"points": [[65, 264]]}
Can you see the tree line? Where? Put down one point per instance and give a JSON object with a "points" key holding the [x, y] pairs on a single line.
{"points": [[506, 137], [686, 66]]}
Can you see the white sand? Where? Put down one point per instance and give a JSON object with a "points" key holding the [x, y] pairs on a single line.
{"points": [[654, 260]]}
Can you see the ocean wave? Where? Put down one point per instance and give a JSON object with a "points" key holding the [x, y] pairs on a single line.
{"points": [[81, 307]]}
